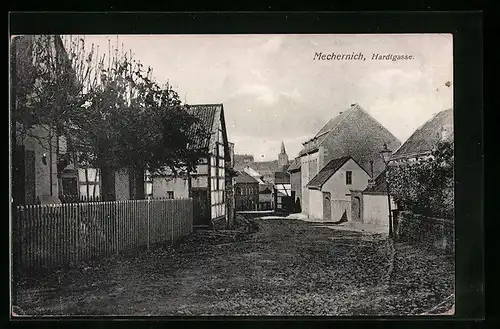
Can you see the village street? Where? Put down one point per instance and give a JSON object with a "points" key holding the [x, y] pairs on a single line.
{"points": [[287, 267]]}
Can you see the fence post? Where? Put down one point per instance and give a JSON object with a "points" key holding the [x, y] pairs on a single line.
{"points": [[112, 207]]}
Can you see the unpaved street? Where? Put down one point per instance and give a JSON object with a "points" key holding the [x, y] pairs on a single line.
{"points": [[288, 267]]}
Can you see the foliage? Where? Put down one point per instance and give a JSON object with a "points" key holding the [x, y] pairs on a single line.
{"points": [[426, 186], [112, 112], [45, 86]]}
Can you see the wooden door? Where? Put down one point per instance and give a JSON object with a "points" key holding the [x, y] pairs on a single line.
{"points": [[201, 208], [327, 206], [356, 209]]}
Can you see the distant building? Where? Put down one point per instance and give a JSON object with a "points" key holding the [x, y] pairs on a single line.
{"points": [[284, 197], [254, 173], [246, 192], [266, 196], [265, 168], [282, 157], [295, 182], [352, 133]]}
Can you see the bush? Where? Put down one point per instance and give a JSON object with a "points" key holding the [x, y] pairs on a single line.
{"points": [[426, 186]]}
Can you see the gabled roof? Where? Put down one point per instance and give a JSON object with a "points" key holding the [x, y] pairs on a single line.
{"points": [[354, 133], [252, 172], [379, 186], [313, 144], [294, 166], [281, 178], [331, 168], [244, 178], [209, 116], [206, 114], [266, 190], [427, 135]]}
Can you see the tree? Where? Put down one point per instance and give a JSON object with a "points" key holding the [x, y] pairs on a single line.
{"points": [[113, 113], [426, 186]]}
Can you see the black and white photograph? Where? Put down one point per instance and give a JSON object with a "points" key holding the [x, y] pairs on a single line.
{"points": [[232, 175]]}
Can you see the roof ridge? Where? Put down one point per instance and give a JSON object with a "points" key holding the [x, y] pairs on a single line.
{"points": [[351, 109]]}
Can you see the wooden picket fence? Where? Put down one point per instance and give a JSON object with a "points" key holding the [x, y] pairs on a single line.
{"points": [[59, 234]]}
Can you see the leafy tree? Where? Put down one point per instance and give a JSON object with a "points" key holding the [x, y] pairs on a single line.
{"points": [[426, 186], [112, 112]]}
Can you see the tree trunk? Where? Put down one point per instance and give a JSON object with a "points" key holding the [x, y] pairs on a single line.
{"points": [[108, 184], [137, 190]]}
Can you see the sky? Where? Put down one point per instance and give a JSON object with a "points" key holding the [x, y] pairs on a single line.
{"points": [[273, 90]]}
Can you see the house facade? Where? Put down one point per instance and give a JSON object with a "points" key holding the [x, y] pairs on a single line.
{"points": [[246, 192], [331, 190], [295, 182], [375, 203], [284, 197], [266, 197], [37, 149], [207, 186], [352, 133]]}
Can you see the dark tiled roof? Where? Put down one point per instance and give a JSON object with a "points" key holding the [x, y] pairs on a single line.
{"points": [[357, 134], [327, 172], [294, 166], [281, 178], [379, 186], [428, 135], [313, 144], [243, 177], [267, 190], [266, 186], [206, 113]]}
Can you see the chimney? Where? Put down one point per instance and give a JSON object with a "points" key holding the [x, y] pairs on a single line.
{"points": [[371, 169]]}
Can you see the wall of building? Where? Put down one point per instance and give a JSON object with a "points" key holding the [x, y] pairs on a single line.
{"points": [[45, 175], [161, 185], [295, 182], [315, 203], [376, 209], [336, 185], [246, 196], [309, 168]]}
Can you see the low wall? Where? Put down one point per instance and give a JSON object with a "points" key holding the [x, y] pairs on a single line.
{"points": [[434, 232]]}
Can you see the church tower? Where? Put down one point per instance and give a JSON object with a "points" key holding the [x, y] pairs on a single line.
{"points": [[282, 157]]}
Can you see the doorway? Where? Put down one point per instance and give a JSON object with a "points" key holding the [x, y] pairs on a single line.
{"points": [[327, 206], [356, 209]]}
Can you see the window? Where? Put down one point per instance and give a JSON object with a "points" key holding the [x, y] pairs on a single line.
{"points": [[170, 194], [348, 177], [89, 181]]}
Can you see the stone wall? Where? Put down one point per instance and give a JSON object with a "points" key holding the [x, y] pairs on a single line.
{"points": [[433, 232]]}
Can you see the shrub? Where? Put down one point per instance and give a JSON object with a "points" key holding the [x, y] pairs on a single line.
{"points": [[426, 186]]}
